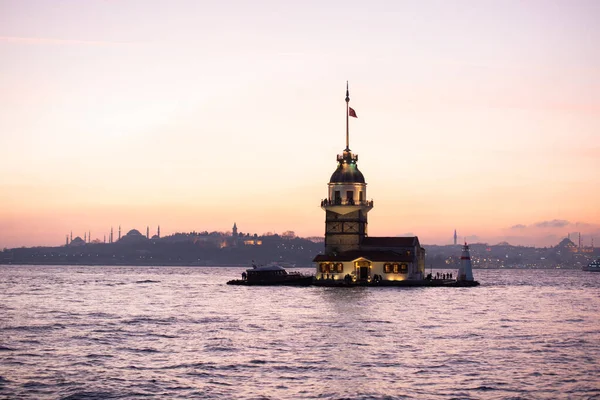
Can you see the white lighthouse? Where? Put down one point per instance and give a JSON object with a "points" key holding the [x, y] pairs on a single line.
{"points": [[465, 271]]}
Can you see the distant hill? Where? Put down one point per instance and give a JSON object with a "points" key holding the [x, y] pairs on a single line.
{"points": [[214, 249], [178, 249]]}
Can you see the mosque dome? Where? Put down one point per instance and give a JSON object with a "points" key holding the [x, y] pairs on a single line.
{"points": [[133, 236], [77, 242], [347, 170]]}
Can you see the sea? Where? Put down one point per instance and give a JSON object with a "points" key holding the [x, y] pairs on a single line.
{"points": [[94, 332]]}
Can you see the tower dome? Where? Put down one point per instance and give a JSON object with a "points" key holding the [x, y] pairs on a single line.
{"points": [[347, 170]]}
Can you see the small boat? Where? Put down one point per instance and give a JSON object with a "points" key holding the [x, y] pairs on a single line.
{"points": [[272, 275], [594, 266]]}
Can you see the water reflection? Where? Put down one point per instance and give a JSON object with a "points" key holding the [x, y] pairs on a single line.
{"points": [[132, 331]]}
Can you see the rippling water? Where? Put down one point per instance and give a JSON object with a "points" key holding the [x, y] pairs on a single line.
{"points": [[142, 332]]}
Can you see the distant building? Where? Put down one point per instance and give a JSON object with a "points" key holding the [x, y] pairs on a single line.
{"points": [[133, 236], [77, 242], [252, 241], [568, 245]]}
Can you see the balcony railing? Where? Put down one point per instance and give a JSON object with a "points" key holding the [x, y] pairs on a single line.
{"points": [[346, 156], [346, 202]]}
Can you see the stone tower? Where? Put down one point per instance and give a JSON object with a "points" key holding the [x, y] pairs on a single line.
{"points": [[346, 205]]}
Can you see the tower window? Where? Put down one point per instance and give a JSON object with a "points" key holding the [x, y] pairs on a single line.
{"points": [[338, 197], [350, 197], [360, 196]]}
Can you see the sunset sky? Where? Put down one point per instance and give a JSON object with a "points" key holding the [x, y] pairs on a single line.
{"points": [[480, 116]]}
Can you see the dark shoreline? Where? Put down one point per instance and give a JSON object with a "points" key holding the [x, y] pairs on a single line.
{"points": [[243, 265]]}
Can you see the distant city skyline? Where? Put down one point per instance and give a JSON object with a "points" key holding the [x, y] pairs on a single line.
{"points": [[577, 237], [482, 117]]}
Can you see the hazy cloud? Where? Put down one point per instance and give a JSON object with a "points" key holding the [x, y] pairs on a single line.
{"points": [[555, 223], [291, 54], [54, 41]]}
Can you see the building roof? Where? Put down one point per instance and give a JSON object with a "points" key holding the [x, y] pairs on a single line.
{"points": [[387, 241], [347, 172], [133, 236], [77, 241], [371, 255]]}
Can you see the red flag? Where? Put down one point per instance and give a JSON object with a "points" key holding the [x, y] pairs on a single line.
{"points": [[351, 112]]}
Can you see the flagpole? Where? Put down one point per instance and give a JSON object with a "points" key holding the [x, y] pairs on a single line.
{"points": [[347, 112]]}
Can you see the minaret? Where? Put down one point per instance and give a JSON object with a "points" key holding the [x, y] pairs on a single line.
{"points": [[234, 230], [158, 232], [579, 240], [67, 241], [455, 237], [105, 238], [84, 237], [71, 237], [89, 236], [111, 235], [465, 271], [119, 232], [346, 205], [147, 232]]}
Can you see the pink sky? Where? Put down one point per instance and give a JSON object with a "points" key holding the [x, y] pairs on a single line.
{"points": [[482, 116]]}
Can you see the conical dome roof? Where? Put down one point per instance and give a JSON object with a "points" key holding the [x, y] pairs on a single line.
{"points": [[347, 173], [347, 170]]}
